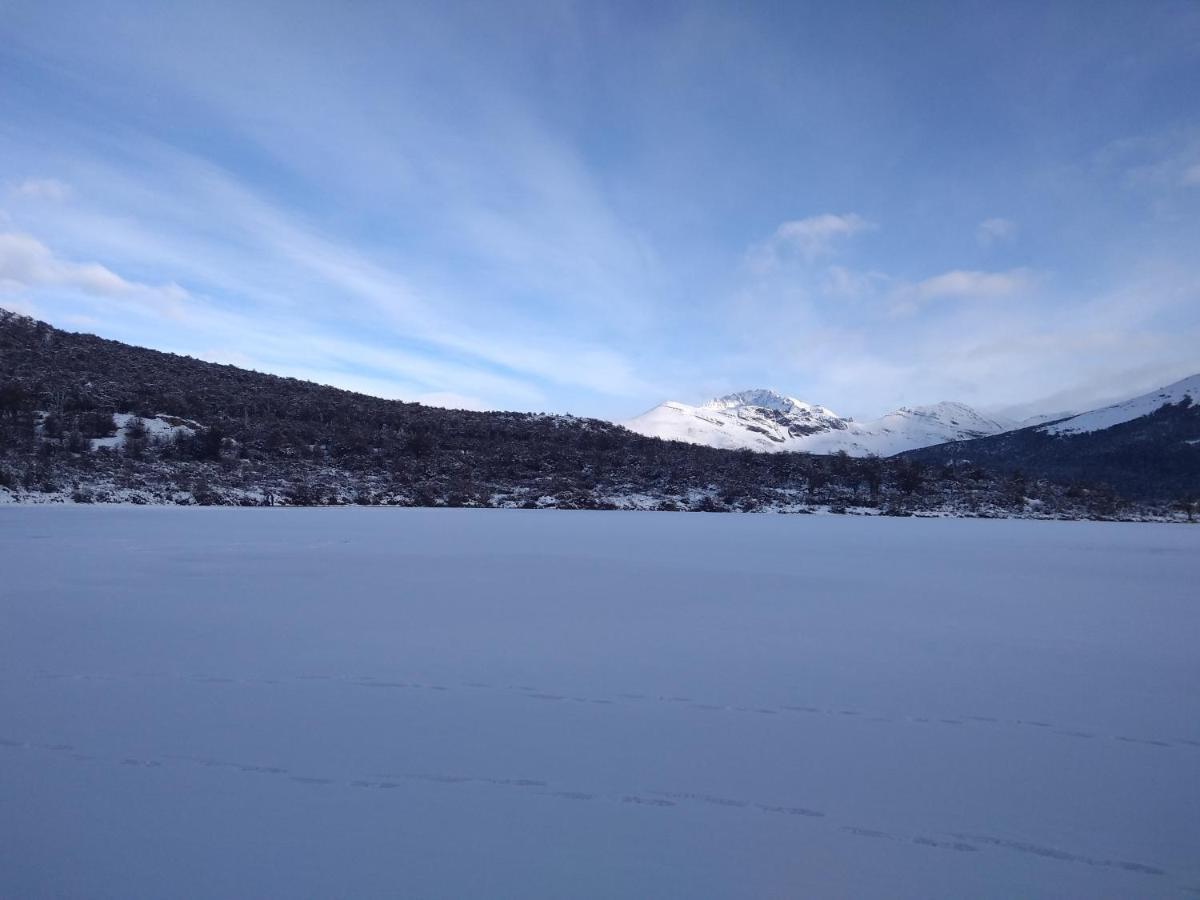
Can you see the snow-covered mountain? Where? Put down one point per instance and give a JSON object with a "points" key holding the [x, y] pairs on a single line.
{"points": [[764, 420], [1118, 413]]}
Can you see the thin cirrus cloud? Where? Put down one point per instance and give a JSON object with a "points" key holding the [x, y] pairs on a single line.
{"points": [[283, 266], [544, 234]]}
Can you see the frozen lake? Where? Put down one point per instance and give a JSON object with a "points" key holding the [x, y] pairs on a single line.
{"points": [[454, 703]]}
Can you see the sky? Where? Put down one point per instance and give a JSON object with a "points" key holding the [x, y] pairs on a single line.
{"points": [[595, 207]]}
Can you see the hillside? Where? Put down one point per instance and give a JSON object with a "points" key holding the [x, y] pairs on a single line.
{"points": [[1147, 447], [88, 419]]}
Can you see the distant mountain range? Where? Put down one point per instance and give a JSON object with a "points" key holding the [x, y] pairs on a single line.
{"points": [[1148, 446], [767, 421]]}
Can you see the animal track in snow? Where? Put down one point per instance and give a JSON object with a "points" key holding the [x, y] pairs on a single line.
{"points": [[660, 799], [640, 697]]}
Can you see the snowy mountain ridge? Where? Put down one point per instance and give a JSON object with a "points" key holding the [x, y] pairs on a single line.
{"points": [[1119, 413], [767, 421], [765, 399]]}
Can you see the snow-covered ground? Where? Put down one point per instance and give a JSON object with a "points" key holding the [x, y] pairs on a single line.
{"points": [[156, 428], [458, 703]]}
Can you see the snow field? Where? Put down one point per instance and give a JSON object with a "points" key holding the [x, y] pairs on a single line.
{"points": [[449, 703]]}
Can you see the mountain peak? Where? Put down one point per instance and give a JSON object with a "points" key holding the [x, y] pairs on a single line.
{"points": [[763, 398]]}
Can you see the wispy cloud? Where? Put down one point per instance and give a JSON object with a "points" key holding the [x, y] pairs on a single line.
{"points": [[51, 189], [1158, 162], [806, 239], [280, 262], [994, 230], [28, 264], [967, 284], [959, 284], [840, 281]]}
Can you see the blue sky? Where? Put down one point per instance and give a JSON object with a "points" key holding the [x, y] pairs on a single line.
{"points": [[594, 207]]}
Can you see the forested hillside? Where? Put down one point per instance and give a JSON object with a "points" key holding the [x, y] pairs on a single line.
{"points": [[1152, 457], [90, 419]]}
